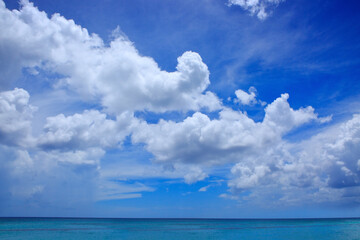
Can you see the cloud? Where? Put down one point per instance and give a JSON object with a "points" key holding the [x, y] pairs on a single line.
{"points": [[344, 155], [245, 98], [89, 129], [15, 117], [248, 178], [77, 157], [323, 168], [117, 76], [214, 183], [282, 118], [65, 156], [233, 136], [40, 180], [204, 189], [111, 190], [194, 175], [57, 181], [260, 8]]}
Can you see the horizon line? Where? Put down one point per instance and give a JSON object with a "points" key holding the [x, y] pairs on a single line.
{"points": [[197, 218]]}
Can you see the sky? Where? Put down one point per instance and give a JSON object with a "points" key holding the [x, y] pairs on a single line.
{"points": [[180, 109]]}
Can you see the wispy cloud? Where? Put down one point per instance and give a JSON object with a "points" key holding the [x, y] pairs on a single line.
{"points": [[260, 8]]}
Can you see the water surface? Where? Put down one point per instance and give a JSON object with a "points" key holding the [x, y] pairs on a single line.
{"points": [[172, 229]]}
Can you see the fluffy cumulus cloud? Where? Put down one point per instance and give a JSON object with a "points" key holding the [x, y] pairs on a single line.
{"points": [[247, 177], [344, 153], [323, 168], [245, 98], [282, 118], [86, 130], [117, 75], [232, 137], [260, 8], [15, 117]]}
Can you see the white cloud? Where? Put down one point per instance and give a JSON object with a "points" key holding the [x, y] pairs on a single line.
{"points": [[322, 168], [110, 190], [247, 178], [91, 156], [228, 196], [89, 129], [233, 137], [194, 175], [204, 189], [15, 117], [245, 98], [116, 75], [214, 183], [344, 149], [281, 117], [260, 8]]}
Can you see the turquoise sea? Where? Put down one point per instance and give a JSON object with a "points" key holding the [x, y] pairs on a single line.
{"points": [[95, 228]]}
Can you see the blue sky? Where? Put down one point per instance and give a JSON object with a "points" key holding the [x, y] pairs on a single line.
{"points": [[208, 108]]}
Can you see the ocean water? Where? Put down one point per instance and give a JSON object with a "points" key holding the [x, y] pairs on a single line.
{"points": [[172, 229]]}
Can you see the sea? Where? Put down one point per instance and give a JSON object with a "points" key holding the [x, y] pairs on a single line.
{"points": [[172, 229]]}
